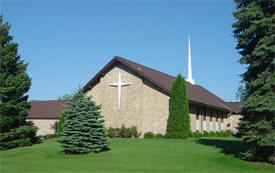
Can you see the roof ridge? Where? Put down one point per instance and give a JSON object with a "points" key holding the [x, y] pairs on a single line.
{"points": [[142, 73], [118, 57], [145, 66], [196, 93]]}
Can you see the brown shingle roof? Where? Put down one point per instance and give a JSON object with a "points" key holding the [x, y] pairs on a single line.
{"points": [[233, 106], [50, 109], [196, 93]]}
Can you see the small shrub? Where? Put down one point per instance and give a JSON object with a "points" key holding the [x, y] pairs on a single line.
{"points": [[228, 133], [213, 134], [199, 134], [271, 159], [111, 132], [116, 133], [135, 132], [159, 135], [196, 135], [221, 134], [206, 134], [149, 135], [125, 132], [193, 135]]}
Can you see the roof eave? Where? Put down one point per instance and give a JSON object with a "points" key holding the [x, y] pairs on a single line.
{"points": [[209, 106], [112, 62], [98, 75]]}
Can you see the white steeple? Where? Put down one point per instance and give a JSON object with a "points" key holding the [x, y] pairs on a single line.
{"points": [[190, 79]]}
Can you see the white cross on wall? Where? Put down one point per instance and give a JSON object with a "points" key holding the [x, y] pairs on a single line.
{"points": [[119, 84]]}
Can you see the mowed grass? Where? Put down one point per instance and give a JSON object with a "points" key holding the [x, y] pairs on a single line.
{"points": [[207, 155]]}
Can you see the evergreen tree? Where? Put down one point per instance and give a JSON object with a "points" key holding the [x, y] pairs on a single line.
{"points": [[83, 130], [65, 97], [178, 125], [255, 35], [14, 84], [60, 124]]}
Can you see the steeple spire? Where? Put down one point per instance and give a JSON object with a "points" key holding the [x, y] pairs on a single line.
{"points": [[190, 79]]}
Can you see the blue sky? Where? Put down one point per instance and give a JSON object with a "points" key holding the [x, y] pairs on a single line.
{"points": [[67, 42]]}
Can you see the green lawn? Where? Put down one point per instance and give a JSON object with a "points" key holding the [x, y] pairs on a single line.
{"points": [[134, 155]]}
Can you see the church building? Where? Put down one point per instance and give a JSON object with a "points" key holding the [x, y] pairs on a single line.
{"points": [[134, 95]]}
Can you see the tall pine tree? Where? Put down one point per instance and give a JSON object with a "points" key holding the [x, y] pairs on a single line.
{"points": [[14, 84], [254, 31], [178, 125], [83, 130]]}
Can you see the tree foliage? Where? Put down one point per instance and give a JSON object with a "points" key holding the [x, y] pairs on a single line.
{"points": [[65, 97], [254, 32], [240, 94], [83, 130], [178, 125], [14, 84], [60, 124]]}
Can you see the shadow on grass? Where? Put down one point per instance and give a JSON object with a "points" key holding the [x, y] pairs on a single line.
{"points": [[62, 151], [234, 147]]}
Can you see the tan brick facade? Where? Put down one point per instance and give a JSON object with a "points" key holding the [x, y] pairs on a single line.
{"points": [[44, 126], [233, 120], [142, 104]]}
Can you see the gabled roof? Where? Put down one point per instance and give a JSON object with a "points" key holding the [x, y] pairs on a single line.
{"points": [[50, 109], [196, 93]]}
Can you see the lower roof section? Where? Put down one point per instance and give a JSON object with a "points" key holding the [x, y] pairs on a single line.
{"points": [[46, 109]]}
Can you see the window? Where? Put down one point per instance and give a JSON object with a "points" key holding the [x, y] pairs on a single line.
{"points": [[197, 120], [217, 123], [204, 121], [211, 122], [222, 124]]}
